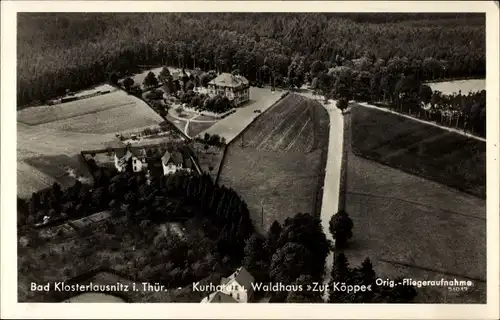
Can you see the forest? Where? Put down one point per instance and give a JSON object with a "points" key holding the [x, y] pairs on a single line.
{"points": [[167, 198], [59, 51]]}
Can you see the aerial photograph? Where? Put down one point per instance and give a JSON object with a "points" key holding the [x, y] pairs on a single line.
{"points": [[254, 157]]}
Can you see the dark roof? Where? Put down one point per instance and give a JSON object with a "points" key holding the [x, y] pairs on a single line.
{"points": [[197, 72], [174, 156], [242, 276], [129, 152], [117, 144], [229, 80], [220, 297], [123, 153]]}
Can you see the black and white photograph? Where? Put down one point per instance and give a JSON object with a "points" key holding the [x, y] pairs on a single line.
{"points": [[251, 157]]}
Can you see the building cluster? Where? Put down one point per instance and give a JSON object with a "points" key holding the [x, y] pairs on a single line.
{"points": [[128, 159]]}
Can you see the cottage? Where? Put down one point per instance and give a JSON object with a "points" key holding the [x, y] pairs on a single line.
{"points": [[236, 88], [239, 285], [235, 288], [129, 159], [172, 162], [218, 297]]}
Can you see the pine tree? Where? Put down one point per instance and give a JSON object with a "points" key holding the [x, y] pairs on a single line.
{"points": [[273, 235], [365, 275], [341, 273]]}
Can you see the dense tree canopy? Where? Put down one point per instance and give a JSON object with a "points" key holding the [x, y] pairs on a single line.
{"points": [[59, 51], [180, 196], [364, 275], [257, 258], [306, 230], [304, 291]]}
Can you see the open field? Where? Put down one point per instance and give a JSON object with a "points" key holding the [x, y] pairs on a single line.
{"points": [[195, 128], [45, 114], [48, 156], [405, 219], [110, 113], [449, 87], [408, 225], [29, 180], [127, 117], [50, 138], [63, 168], [280, 166], [233, 124], [287, 126], [427, 151]]}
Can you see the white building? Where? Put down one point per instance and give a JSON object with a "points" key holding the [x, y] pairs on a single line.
{"points": [[172, 162], [126, 157], [218, 297], [236, 88], [237, 287]]}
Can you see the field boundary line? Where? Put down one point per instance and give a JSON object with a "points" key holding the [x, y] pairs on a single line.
{"points": [[290, 128], [77, 115], [453, 79], [407, 171], [447, 273], [256, 118], [362, 194], [278, 115], [298, 135], [403, 150], [367, 105], [320, 185], [229, 143], [154, 110], [172, 126], [345, 151], [278, 126], [222, 161]]}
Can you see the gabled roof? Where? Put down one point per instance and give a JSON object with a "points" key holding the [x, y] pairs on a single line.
{"points": [[141, 153], [123, 154], [126, 153], [229, 80], [219, 297], [174, 156], [242, 276], [196, 72]]}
